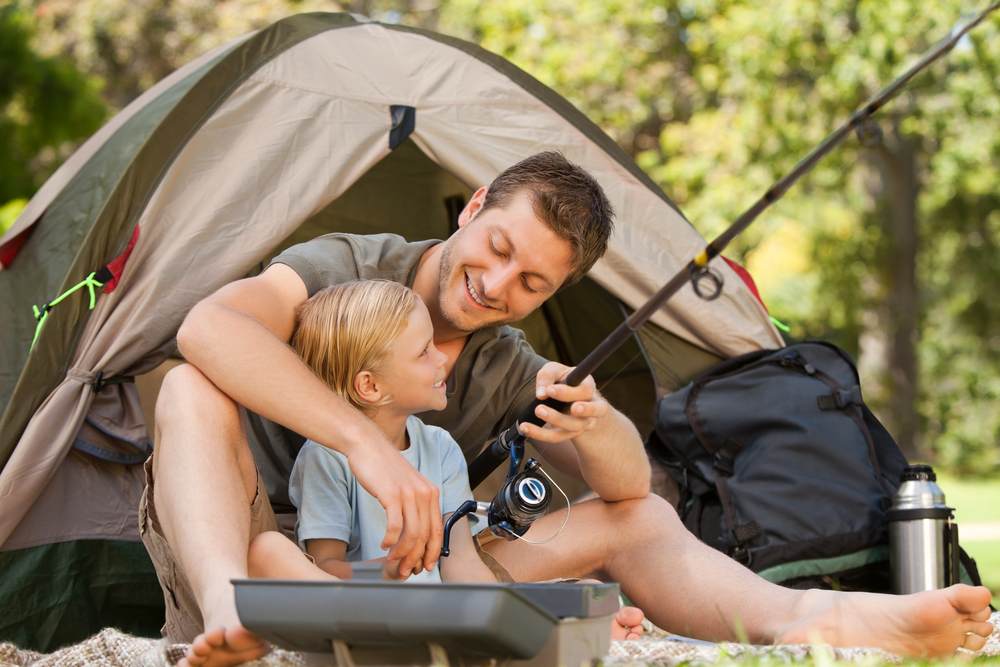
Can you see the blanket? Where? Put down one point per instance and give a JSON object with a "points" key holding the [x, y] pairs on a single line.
{"points": [[117, 649]]}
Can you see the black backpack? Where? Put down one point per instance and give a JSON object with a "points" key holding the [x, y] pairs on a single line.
{"points": [[782, 466]]}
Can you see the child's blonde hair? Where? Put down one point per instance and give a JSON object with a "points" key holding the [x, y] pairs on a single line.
{"points": [[346, 329]]}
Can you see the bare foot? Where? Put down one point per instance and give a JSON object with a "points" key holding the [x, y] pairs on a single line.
{"points": [[627, 623], [934, 623], [224, 646]]}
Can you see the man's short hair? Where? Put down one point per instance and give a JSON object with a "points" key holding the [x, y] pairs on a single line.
{"points": [[566, 198]]}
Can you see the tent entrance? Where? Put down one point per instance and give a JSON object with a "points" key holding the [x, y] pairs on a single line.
{"points": [[409, 194]]}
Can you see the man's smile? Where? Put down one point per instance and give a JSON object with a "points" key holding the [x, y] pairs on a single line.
{"points": [[474, 295]]}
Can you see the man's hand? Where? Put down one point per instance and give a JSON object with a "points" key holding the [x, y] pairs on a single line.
{"points": [[412, 505], [586, 409]]}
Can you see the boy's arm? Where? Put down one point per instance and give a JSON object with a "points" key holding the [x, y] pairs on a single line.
{"points": [[330, 556], [464, 564], [237, 337]]}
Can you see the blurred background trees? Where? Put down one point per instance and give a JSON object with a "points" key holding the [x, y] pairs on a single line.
{"points": [[889, 247]]}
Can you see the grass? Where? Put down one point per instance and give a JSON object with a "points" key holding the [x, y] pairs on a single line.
{"points": [[977, 501], [974, 500]]}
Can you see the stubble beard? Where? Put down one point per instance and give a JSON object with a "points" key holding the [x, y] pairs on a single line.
{"points": [[446, 290], [445, 271]]}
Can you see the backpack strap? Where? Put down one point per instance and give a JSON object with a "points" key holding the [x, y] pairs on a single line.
{"points": [[741, 533]]}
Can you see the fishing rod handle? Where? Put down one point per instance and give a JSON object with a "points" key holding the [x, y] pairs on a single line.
{"points": [[498, 450]]}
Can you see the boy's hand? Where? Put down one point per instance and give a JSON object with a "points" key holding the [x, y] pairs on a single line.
{"points": [[390, 570], [412, 505], [587, 407]]}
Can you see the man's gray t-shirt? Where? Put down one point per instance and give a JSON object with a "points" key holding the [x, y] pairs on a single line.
{"points": [[332, 505], [491, 383]]}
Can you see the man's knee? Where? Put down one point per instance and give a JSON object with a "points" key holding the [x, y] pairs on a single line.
{"points": [[647, 517], [264, 548], [186, 394]]}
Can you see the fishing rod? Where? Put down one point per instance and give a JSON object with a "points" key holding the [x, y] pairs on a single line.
{"points": [[706, 283]]}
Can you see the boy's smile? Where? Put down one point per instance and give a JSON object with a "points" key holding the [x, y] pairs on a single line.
{"points": [[413, 373]]}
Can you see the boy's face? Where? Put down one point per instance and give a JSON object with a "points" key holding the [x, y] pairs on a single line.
{"points": [[413, 372], [500, 265]]}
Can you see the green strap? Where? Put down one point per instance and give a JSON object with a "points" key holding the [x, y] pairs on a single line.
{"points": [[781, 325], [41, 314]]}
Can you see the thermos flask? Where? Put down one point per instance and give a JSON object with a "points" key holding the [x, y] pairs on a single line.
{"points": [[923, 541]]}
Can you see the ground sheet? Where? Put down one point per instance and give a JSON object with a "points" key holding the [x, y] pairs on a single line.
{"points": [[113, 648]]}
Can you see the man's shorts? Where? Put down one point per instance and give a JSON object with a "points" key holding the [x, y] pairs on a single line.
{"points": [[483, 538], [183, 620]]}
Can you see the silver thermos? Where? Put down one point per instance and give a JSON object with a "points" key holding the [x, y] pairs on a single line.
{"points": [[923, 541]]}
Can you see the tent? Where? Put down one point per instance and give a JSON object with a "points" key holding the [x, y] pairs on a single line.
{"points": [[321, 122]]}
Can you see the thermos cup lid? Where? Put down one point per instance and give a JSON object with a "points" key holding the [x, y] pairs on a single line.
{"points": [[919, 496], [920, 472]]}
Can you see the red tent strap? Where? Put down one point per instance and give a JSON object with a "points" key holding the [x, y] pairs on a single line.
{"points": [[746, 278], [112, 273], [9, 250]]}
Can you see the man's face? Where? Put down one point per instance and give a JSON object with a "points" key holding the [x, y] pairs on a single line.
{"points": [[500, 265]]}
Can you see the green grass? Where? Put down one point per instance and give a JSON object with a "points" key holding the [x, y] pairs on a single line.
{"points": [[974, 500], [977, 501], [987, 555]]}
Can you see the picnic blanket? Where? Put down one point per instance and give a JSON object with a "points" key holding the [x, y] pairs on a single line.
{"points": [[117, 649]]}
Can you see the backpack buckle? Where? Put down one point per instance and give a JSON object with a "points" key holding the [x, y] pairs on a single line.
{"points": [[741, 555], [840, 399], [723, 463]]}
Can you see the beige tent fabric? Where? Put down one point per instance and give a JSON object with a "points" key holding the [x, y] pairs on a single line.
{"points": [[244, 178], [462, 100], [293, 137], [68, 169], [86, 499]]}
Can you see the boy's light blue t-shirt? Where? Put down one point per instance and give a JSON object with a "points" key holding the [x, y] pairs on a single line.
{"points": [[333, 505]]}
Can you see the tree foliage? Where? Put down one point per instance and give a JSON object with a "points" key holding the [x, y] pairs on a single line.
{"points": [[46, 106], [888, 249]]}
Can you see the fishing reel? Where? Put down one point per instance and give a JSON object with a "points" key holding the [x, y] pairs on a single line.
{"points": [[524, 497]]}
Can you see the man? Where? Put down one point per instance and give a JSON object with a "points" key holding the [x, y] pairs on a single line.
{"points": [[540, 225]]}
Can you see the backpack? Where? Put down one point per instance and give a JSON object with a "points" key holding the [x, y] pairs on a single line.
{"points": [[781, 466]]}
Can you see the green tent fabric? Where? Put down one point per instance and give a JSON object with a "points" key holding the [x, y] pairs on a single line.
{"points": [[319, 123]]}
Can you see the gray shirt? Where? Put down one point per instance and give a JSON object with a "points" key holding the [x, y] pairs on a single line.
{"points": [[491, 383], [332, 505]]}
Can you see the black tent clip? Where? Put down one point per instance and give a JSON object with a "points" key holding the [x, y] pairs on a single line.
{"points": [[707, 283]]}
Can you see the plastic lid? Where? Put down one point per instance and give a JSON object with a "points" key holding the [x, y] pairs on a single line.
{"points": [[919, 472]]}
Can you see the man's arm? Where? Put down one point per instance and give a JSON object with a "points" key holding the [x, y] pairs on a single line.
{"points": [[237, 337], [593, 439]]}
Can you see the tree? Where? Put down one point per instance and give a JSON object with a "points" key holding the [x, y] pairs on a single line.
{"points": [[885, 247], [46, 106]]}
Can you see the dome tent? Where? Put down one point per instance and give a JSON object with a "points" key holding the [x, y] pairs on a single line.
{"points": [[319, 123]]}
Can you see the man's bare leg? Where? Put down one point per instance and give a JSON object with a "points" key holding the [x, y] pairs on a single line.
{"points": [[271, 556], [687, 587], [205, 481]]}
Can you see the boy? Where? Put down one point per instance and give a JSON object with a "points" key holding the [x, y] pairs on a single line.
{"points": [[372, 343]]}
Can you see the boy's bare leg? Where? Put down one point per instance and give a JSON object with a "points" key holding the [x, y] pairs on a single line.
{"points": [[627, 624], [205, 482], [687, 587], [274, 556]]}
